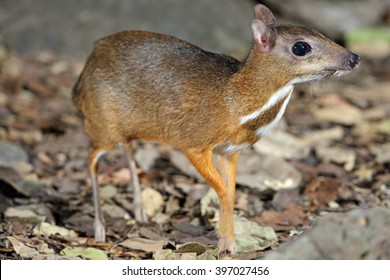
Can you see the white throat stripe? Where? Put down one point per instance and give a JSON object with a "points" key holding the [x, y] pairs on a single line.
{"points": [[275, 98], [264, 129]]}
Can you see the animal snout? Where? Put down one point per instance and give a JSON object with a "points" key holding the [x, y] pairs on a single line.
{"points": [[354, 60]]}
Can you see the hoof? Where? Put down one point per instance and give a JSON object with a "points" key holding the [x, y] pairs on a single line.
{"points": [[140, 216], [227, 247], [100, 232]]}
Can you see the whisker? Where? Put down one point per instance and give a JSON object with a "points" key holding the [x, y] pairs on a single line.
{"points": [[314, 93]]}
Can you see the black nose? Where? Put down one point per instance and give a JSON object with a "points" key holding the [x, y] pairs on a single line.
{"points": [[354, 60]]}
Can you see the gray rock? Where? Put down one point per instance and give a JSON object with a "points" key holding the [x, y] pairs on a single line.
{"points": [[11, 154], [71, 27], [358, 234], [332, 17], [28, 188], [266, 172]]}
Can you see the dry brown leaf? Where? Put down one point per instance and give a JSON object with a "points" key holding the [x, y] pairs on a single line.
{"points": [[22, 249], [344, 156], [153, 202], [291, 218], [321, 191], [143, 244], [344, 114], [364, 173], [330, 170], [266, 172], [376, 93], [282, 144], [149, 233], [114, 211], [251, 236], [284, 198], [47, 229], [23, 215], [323, 136], [120, 177]]}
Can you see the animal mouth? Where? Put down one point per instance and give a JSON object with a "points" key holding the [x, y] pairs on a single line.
{"points": [[353, 62], [335, 72], [341, 72]]}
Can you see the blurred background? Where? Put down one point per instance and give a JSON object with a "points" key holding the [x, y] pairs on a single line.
{"points": [[329, 154], [70, 27]]}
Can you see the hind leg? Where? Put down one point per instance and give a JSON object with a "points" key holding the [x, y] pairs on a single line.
{"points": [[99, 225], [139, 213]]}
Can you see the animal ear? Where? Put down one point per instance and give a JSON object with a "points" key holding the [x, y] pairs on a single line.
{"points": [[263, 36], [264, 14]]}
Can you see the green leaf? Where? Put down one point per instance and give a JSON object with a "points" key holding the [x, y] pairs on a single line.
{"points": [[368, 35], [87, 253]]}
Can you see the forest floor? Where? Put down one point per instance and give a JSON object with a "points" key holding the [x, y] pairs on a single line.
{"points": [[330, 154]]}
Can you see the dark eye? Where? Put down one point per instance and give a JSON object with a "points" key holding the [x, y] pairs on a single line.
{"points": [[301, 48]]}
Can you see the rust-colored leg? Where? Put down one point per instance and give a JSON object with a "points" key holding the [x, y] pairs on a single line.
{"points": [[227, 169], [140, 215], [203, 163], [99, 226]]}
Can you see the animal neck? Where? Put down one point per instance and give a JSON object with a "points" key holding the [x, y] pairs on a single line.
{"points": [[263, 83]]}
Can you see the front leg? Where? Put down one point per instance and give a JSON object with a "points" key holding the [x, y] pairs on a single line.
{"points": [[202, 161], [227, 168]]}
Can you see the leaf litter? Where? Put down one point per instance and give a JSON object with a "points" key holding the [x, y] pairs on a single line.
{"points": [[330, 155]]}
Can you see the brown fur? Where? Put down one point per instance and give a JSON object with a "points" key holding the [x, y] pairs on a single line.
{"points": [[139, 85]]}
